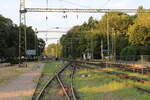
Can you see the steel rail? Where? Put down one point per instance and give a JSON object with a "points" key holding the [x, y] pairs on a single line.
{"points": [[47, 84], [72, 78], [62, 86]]}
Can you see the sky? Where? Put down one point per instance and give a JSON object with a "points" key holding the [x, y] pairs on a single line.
{"points": [[10, 9]]}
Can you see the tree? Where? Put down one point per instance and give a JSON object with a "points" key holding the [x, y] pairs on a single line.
{"points": [[79, 40], [9, 39], [115, 24], [53, 50], [122, 29], [139, 32], [41, 46], [142, 19]]}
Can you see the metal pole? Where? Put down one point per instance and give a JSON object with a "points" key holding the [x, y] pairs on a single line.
{"points": [[102, 55], [108, 38], [35, 44], [114, 45], [20, 41], [56, 50], [25, 34], [91, 48], [112, 41]]}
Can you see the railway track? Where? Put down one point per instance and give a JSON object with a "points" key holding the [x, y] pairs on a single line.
{"points": [[121, 75], [123, 67], [88, 65], [56, 77], [63, 87], [72, 86]]}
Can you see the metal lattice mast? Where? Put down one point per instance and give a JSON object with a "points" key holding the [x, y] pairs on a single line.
{"points": [[22, 30]]}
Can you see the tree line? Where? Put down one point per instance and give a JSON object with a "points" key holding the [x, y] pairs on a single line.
{"points": [[128, 35], [9, 39]]}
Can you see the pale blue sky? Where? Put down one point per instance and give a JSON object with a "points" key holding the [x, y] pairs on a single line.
{"points": [[10, 9]]}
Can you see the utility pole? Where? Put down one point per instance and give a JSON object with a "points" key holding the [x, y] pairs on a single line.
{"points": [[71, 49], [92, 51], [114, 43], [36, 43], [57, 49], [102, 53], [22, 37], [108, 44]]}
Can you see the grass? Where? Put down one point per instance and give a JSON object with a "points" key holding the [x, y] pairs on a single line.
{"points": [[26, 98], [48, 71], [51, 67], [102, 86]]}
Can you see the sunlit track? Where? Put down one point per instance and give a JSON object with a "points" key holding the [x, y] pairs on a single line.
{"points": [[118, 74], [120, 66]]}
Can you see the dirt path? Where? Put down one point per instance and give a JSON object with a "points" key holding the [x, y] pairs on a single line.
{"points": [[22, 87]]}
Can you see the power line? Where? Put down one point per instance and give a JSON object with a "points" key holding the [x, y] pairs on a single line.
{"points": [[51, 31], [106, 3], [73, 3]]}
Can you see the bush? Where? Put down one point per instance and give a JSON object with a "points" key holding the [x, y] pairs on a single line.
{"points": [[130, 53], [145, 50], [134, 52], [12, 61]]}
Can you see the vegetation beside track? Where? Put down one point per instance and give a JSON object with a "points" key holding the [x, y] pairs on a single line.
{"points": [[95, 85]]}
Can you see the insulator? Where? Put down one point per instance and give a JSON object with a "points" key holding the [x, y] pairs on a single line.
{"points": [[46, 18], [77, 16]]}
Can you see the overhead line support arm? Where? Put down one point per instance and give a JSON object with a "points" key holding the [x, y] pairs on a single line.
{"points": [[65, 10]]}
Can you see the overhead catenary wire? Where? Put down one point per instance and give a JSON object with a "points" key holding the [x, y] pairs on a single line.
{"points": [[75, 4], [106, 3], [84, 6]]}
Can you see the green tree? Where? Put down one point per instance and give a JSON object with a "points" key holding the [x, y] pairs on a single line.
{"points": [[9, 39], [53, 50], [138, 34]]}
